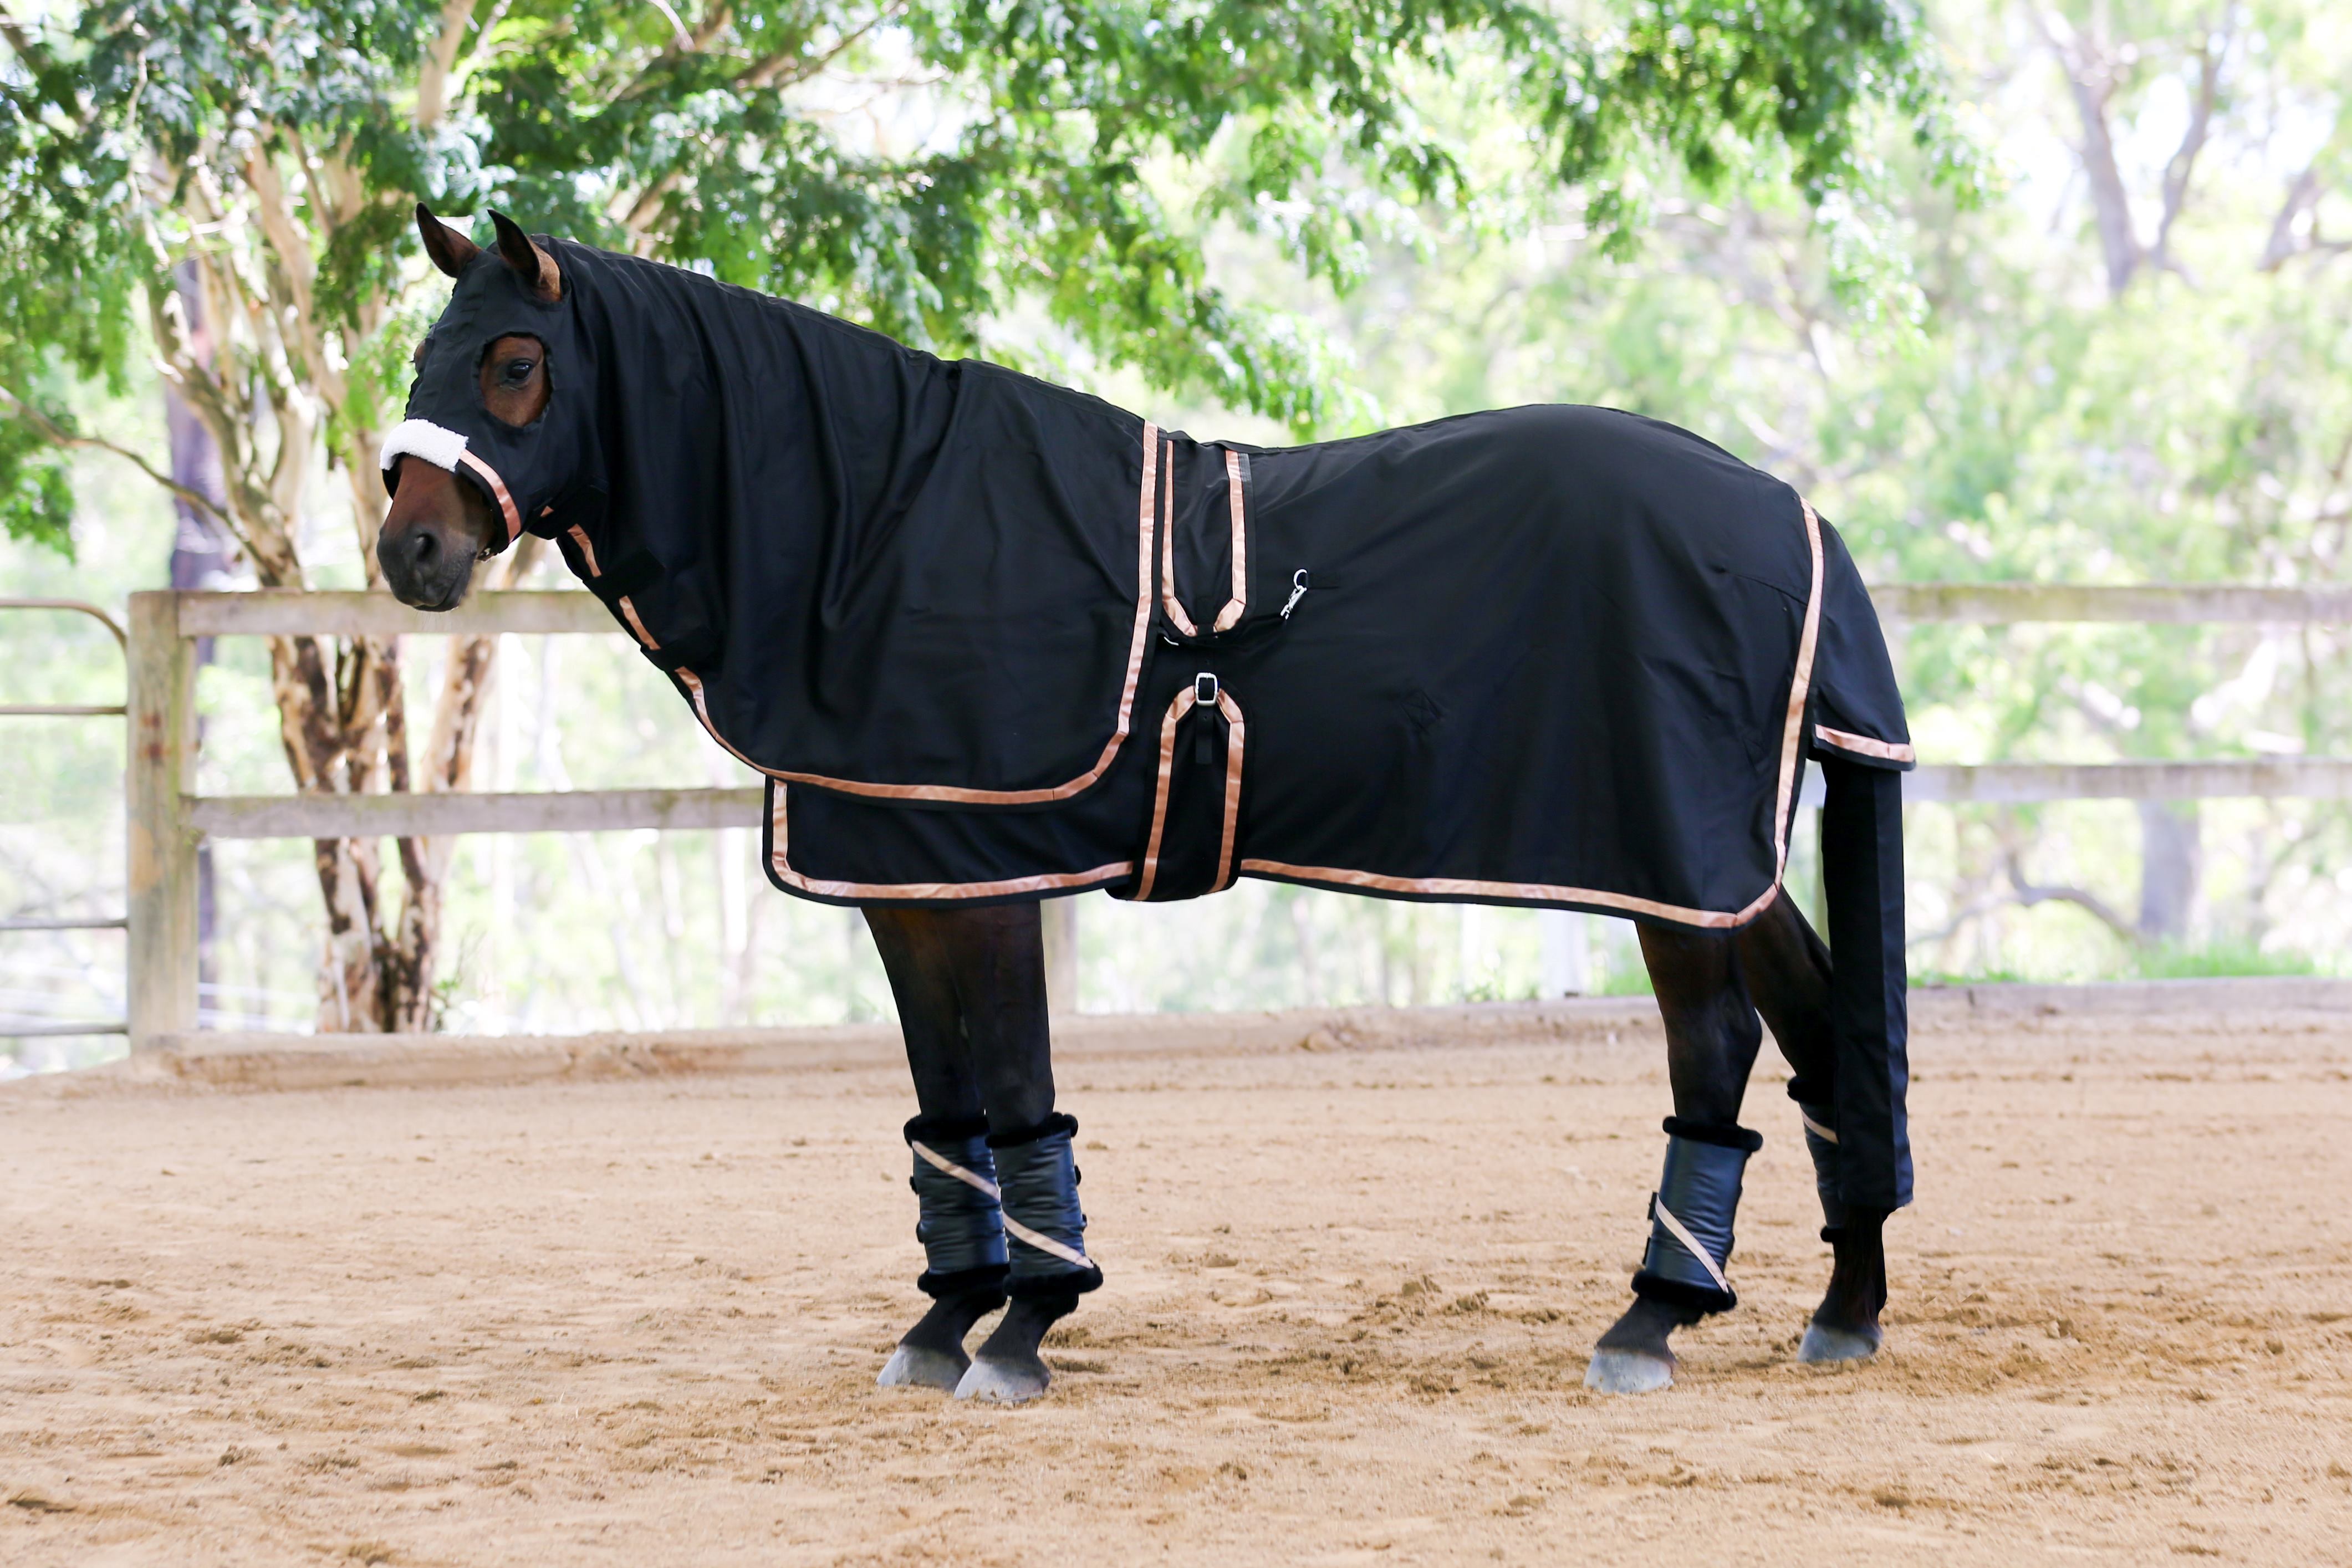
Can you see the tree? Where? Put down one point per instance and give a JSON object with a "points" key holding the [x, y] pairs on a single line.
{"points": [[2038, 425], [924, 165]]}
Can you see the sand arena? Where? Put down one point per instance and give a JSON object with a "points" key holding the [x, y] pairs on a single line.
{"points": [[1353, 1279]]}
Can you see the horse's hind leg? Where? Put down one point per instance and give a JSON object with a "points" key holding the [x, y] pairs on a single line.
{"points": [[1788, 969], [961, 1224], [1844, 1029], [1712, 1038]]}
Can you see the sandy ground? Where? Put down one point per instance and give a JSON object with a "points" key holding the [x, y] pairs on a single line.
{"points": [[1350, 1297]]}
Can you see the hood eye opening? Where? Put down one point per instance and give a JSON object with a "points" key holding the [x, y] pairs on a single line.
{"points": [[513, 378]]}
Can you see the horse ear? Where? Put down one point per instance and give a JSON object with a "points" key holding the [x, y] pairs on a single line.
{"points": [[531, 263], [450, 249]]}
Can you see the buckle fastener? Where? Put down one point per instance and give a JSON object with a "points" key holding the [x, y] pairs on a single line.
{"points": [[1205, 689]]}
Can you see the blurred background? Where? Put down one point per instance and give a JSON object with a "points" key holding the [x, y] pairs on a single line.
{"points": [[2068, 306]]}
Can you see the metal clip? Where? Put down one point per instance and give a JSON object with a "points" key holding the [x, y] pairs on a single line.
{"points": [[1297, 592], [1205, 689]]}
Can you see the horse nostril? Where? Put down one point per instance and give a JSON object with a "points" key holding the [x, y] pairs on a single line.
{"points": [[424, 547]]}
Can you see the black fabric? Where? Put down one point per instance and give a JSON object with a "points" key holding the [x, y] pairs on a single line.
{"points": [[1060, 1122], [1545, 655], [1862, 862], [987, 1281], [933, 1129], [1855, 691], [1747, 1140], [1700, 1299], [1700, 1187]]}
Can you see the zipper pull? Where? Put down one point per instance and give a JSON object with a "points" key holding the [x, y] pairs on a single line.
{"points": [[1297, 592]]}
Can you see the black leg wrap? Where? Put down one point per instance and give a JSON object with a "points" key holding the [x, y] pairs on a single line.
{"points": [[1822, 1143], [1038, 1175], [961, 1225], [1699, 1191], [1862, 877]]}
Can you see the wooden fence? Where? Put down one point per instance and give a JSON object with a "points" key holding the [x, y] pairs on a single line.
{"points": [[166, 822]]}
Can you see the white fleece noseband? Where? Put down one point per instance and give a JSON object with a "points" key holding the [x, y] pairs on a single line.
{"points": [[445, 448], [437, 444]]}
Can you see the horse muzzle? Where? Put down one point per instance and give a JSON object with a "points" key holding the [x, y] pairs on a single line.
{"points": [[424, 565]]}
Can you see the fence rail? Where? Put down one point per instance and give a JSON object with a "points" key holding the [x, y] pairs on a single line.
{"points": [[35, 1028], [167, 821], [2160, 603]]}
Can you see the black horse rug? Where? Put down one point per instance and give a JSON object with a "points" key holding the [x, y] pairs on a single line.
{"points": [[987, 638]]}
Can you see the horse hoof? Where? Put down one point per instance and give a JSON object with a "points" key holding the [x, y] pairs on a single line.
{"points": [[1001, 1383], [915, 1367], [1627, 1372], [1826, 1346]]}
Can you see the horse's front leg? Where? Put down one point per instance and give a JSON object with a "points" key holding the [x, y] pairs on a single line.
{"points": [[1004, 1194], [1713, 1034], [960, 1225]]}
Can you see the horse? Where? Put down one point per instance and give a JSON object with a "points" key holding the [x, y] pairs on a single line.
{"points": [[1558, 657]]}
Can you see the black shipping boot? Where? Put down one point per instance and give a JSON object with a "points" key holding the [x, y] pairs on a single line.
{"points": [[1691, 1215], [1038, 1177], [962, 1227]]}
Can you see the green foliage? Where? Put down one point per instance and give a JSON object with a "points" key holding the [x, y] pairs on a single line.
{"points": [[1004, 150], [36, 495], [2170, 962]]}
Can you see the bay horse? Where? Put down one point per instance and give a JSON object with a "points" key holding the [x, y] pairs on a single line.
{"points": [[1559, 657]]}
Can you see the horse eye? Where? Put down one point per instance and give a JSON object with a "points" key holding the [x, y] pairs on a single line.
{"points": [[519, 371]]}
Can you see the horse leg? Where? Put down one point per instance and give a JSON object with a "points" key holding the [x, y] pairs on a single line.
{"points": [[1839, 1017], [961, 1225], [996, 958], [1712, 1038], [1788, 969]]}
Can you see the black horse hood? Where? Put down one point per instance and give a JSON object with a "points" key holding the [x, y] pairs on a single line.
{"points": [[524, 470], [861, 563]]}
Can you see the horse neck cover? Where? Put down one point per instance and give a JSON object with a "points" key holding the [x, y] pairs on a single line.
{"points": [[991, 638]]}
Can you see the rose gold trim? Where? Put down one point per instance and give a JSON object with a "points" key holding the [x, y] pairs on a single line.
{"points": [[1529, 891], [1233, 712], [1135, 644], [1231, 615], [1168, 599], [1176, 711], [499, 488], [629, 613], [1863, 746], [588, 552], [1009, 887], [1799, 684], [628, 610]]}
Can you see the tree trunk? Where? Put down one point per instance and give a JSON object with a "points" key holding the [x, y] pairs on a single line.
{"points": [[2171, 857], [203, 556]]}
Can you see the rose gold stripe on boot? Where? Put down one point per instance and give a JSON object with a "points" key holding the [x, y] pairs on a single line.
{"points": [[1231, 615], [1681, 1233], [1799, 684], [1137, 642], [1176, 712]]}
